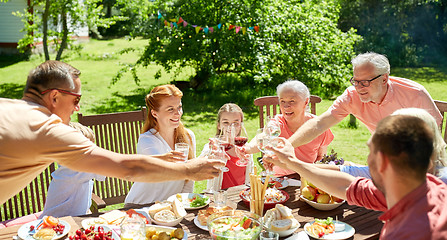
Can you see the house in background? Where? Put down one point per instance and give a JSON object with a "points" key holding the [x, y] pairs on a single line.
{"points": [[11, 26]]}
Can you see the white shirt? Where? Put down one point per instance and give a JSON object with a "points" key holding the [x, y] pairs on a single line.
{"points": [[152, 143], [69, 193]]}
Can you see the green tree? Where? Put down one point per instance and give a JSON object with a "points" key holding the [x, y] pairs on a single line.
{"points": [[280, 40], [409, 32], [55, 22]]}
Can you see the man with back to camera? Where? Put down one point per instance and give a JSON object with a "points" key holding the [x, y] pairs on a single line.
{"points": [[374, 95], [414, 202], [34, 132]]}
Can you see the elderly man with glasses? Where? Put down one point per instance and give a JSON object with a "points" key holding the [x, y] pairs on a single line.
{"points": [[34, 132], [374, 95]]}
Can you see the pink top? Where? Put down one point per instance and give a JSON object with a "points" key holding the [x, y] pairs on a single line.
{"points": [[307, 152], [401, 93], [422, 214]]}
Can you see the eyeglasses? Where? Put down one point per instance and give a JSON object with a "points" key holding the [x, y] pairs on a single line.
{"points": [[78, 96], [364, 83]]}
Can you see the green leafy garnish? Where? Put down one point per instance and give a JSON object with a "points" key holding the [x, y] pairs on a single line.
{"points": [[327, 221], [198, 201]]}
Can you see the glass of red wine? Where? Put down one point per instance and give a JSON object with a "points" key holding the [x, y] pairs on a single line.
{"points": [[240, 140]]}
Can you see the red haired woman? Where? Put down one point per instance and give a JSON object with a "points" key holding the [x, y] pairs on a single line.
{"points": [[161, 131]]}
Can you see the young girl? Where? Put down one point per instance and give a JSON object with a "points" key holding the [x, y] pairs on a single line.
{"points": [[161, 131], [231, 114]]}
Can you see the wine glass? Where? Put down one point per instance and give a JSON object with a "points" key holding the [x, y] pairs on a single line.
{"points": [[240, 141], [272, 127], [264, 139], [218, 152]]}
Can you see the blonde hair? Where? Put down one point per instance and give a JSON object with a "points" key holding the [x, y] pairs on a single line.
{"points": [[153, 102], [228, 107], [86, 131], [439, 154]]}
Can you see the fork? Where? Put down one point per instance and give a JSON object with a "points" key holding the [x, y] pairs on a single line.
{"points": [[32, 232]]}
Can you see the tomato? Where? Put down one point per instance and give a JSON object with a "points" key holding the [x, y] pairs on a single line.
{"points": [[246, 223]]}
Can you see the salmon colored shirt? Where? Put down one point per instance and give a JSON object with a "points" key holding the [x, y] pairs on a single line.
{"points": [[307, 152], [31, 138], [401, 93], [421, 214]]}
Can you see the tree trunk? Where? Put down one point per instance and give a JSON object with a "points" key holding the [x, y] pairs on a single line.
{"points": [[64, 34], [45, 29]]}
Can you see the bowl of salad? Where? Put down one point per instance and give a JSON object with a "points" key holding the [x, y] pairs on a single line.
{"points": [[234, 224], [273, 196]]}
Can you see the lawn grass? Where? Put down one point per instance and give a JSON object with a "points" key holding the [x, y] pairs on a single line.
{"points": [[99, 61]]}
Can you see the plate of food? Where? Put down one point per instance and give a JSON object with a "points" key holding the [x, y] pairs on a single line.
{"points": [[163, 232], [88, 222], [276, 182], [47, 228], [167, 213], [273, 196], [329, 229], [234, 224], [191, 201], [202, 216]]}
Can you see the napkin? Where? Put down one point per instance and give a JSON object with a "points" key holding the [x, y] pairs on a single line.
{"points": [[299, 236]]}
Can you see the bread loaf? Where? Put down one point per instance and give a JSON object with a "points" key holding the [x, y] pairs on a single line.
{"points": [[286, 213], [281, 225], [159, 207]]}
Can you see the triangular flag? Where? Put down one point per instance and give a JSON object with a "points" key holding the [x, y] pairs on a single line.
{"points": [[175, 24], [173, 20], [197, 29], [205, 30], [244, 29], [231, 27], [251, 28], [180, 20], [166, 23], [171, 25], [256, 28], [194, 26], [219, 25], [211, 29], [185, 24], [159, 15], [237, 29]]}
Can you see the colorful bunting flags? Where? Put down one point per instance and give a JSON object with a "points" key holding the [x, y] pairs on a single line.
{"points": [[174, 23]]}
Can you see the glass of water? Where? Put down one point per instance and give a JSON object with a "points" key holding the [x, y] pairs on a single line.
{"points": [[183, 148]]}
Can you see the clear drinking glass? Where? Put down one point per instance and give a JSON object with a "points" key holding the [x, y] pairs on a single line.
{"points": [[133, 228], [220, 198], [267, 235], [183, 148], [218, 152]]}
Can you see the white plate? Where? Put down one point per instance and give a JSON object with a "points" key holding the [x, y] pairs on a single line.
{"points": [[166, 229], [346, 233], [186, 200], [197, 223], [23, 231]]}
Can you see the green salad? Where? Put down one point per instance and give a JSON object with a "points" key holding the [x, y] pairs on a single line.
{"points": [[242, 228], [198, 201]]}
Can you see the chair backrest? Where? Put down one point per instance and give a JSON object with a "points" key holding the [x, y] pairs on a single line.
{"points": [[442, 106], [269, 106], [117, 132], [31, 199]]}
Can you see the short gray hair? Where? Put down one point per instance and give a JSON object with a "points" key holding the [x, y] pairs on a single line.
{"points": [[52, 74], [296, 86], [378, 61]]}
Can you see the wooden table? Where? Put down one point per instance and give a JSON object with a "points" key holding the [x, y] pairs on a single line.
{"points": [[365, 222]]}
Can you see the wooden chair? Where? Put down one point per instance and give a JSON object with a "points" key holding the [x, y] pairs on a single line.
{"points": [[442, 106], [271, 105], [117, 132], [30, 200]]}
